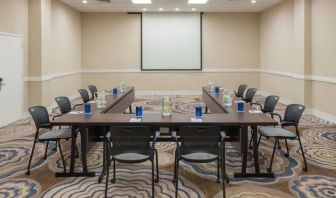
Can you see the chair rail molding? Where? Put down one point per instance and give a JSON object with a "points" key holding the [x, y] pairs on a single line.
{"points": [[325, 79]]}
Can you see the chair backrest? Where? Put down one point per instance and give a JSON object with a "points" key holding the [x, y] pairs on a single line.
{"points": [[93, 90], [270, 103], [241, 90], [84, 94], [199, 138], [134, 138], [40, 116], [63, 104], [250, 94], [293, 113]]}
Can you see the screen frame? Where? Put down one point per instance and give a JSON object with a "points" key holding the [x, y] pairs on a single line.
{"points": [[201, 49]]}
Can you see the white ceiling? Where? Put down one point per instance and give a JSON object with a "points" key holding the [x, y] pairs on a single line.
{"points": [[170, 5]]}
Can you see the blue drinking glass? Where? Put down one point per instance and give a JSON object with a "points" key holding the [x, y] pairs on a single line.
{"points": [[217, 89], [240, 106], [138, 111], [198, 111], [87, 108], [115, 91]]}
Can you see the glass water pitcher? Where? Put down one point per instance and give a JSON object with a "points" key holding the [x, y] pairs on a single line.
{"points": [[228, 96], [166, 106]]}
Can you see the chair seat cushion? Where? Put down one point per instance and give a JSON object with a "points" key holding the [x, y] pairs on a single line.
{"points": [[56, 134], [199, 157], [276, 132], [131, 157]]}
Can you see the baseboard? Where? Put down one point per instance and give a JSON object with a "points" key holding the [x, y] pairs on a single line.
{"points": [[168, 93]]}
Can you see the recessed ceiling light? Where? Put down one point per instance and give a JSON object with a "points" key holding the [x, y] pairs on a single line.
{"points": [[144, 9], [141, 1], [177, 9], [160, 9], [197, 1], [254, 1], [193, 9], [84, 1]]}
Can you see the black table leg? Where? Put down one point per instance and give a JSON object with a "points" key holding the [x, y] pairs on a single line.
{"points": [[72, 172], [255, 149], [244, 143]]}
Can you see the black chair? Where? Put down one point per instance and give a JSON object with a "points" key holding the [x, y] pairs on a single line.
{"points": [[131, 145], [292, 117], [85, 96], [93, 90], [249, 95], [64, 104], [241, 90], [200, 145], [269, 106], [41, 119]]}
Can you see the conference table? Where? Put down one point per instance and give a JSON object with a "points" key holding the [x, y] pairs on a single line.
{"points": [[251, 118], [114, 104], [116, 117]]}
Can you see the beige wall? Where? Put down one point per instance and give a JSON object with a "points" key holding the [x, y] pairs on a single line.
{"points": [[298, 37], [230, 40], [111, 41], [323, 54], [277, 50], [14, 20]]}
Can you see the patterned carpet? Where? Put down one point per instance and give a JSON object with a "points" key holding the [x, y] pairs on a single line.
{"points": [[196, 180]]}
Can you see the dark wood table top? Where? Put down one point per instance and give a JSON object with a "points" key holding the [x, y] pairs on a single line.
{"points": [[219, 99], [156, 119], [111, 100]]}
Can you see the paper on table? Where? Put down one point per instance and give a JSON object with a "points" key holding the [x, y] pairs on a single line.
{"points": [[239, 101], [135, 120], [255, 111], [196, 119], [76, 112], [92, 101]]}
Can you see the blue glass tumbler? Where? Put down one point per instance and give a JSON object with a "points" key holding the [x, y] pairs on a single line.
{"points": [[198, 111], [87, 108], [138, 111], [217, 89], [240, 106], [115, 91]]}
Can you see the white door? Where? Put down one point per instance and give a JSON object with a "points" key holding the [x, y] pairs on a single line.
{"points": [[11, 71]]}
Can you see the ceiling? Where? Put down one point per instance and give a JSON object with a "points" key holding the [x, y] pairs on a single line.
{"points": [[170, 5]]}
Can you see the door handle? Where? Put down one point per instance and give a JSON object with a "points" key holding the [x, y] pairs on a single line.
{"points": [[1, 83]]}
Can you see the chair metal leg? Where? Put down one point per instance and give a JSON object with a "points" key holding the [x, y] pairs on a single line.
{"points": [[30, 159], [46, 150], [114, 172], [305, 169], [175, 178], [153, 185], [157, 167], [259, 141], [61, 152], [250, 147], [287, 154], [223, 175], [279, 146], [218, 180], [77, 153], [176, 182], [274, 148], [108, 163]]}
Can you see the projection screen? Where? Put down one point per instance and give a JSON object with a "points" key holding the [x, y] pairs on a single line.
{"points": [[171, 41]]}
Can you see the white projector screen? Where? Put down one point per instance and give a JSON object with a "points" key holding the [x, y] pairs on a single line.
{"points": [[171, 41]]}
